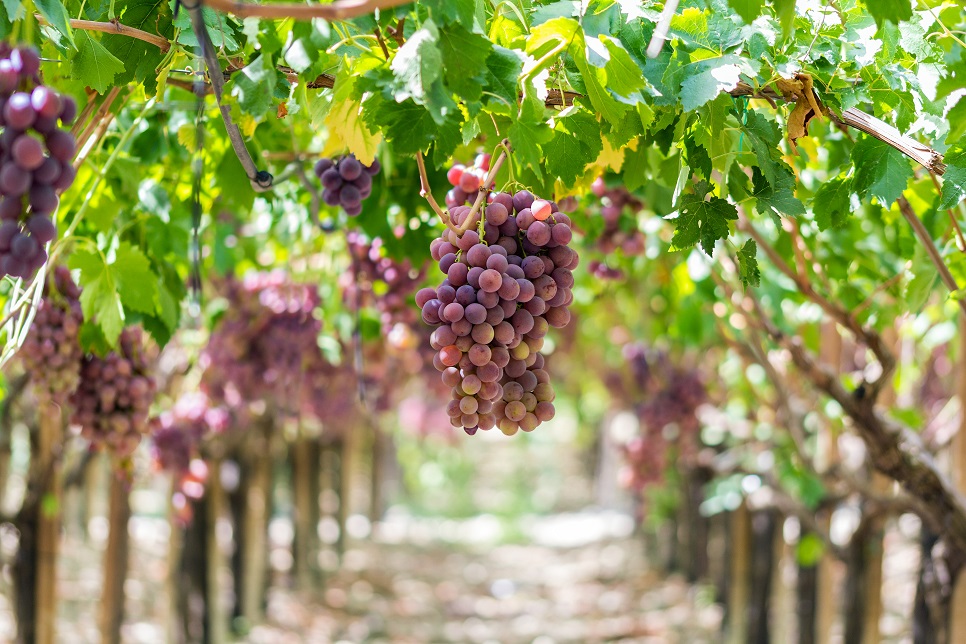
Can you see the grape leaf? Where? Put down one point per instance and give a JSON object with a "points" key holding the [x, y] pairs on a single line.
{"points": [[464, 57], [344, 123], [702, 221], [136, 282], [254, 85], [99, 300], [880, 170], [779, 196], [832, 203], [92, 64], [954, 181], [141, 58], [56, 14], [719, 75], [748, 264], [747, 9], [503, 67], [624, 77], [764, 138], [220, 29], [468, 13], [891, 10]]}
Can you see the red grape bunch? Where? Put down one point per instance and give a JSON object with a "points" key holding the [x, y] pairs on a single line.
{"points": [[502, 292], [374, 272], [51, 353], [466, 181], [112, 402], [346, 182], [35, 160], [667, 414], [619, 231], [264, 342]]}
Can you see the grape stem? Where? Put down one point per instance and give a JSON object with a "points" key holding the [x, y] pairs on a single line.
{"points": [[115, 28], [426, 193], [485, 188], [926, 240], [339, 10], [260, 181]]}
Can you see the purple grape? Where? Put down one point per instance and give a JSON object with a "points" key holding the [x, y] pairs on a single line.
{"points": [[14, 180], [68, 111], [42, 228], [7, 231], [331, 179], [321, 166], [350, 168], [66, 178], [46, 102], [27, 152], [373, 169], [48, 172], [43, 199], [26, 61], [350, 196], [9, 78], [23, 247], [18, 113], [11, 208], [61, 145]]}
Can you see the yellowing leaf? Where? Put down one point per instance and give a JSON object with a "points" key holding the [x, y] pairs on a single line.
{"points": [[344, 123]]}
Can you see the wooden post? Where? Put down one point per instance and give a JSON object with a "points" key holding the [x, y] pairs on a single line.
{"points": [[377, 479], [305, 502], [49, 439], [216, 622], [172, 587], [255, 525], [782, 617], [344, 482], [826, 608], [115, 560], [957, 606], [739, 592]]}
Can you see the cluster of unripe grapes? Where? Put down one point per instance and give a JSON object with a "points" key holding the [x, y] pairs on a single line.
{"points": [[371, 267], [619, 231], [346, 182], [51, 353], [508, 280], [264, 342], [35, 160], [112, 401], [667, 415]]}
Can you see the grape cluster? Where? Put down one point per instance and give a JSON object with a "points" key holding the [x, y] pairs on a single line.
{"points": [[396, 280], [346, 182], [35, 160], [617, 233], [506, 284], [466, 181], [51, 353], [330, 394], [667, 415], [264, 341], [115, 393], [177, 434]]}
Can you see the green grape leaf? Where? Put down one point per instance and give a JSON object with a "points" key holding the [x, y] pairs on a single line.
{"points": [[136, 282], [954, 181], [748, 264], [624, 77], [747, 9], [881, 171], [464, 57], [889, 10], [56, 14], [469, 13], [141, 58], [779, 196], [700, 220], [94, 65], [99, 300], [344, 122], [254, 85], [832, 204], [764, 137], [503, 67], [220, 29]]}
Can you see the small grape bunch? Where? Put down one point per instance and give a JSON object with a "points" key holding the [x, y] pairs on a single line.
{"points": [[466, 180], [112, 402], [35, 160], [346, 182], [51, 353]]}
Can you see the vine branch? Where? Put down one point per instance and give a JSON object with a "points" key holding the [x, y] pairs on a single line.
{"points": [[926, 240], [260, 180], [426, 193], [339, 10], [116, 29], [485, 188]]}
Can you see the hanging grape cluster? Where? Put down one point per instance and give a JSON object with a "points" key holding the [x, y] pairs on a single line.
{"points": [[51, 353], [506, 284], [400, 279], [667, 415], [618, 232], [264, 342], [35, 160], [112, 402], [346, 182]]}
